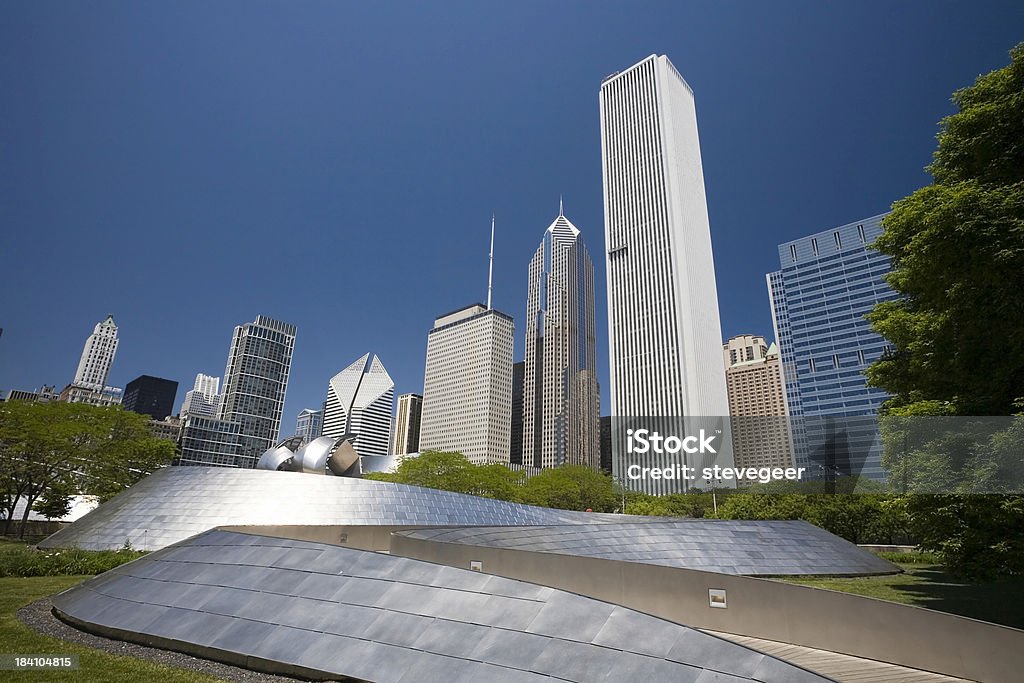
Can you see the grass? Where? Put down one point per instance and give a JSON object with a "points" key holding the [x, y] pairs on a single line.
{"points": [[929, 585], [94, 665], [18, 559]]}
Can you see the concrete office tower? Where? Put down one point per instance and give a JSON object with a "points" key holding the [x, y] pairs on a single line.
{"points": [[97, 356], [359, 403], [153, 396], [255, 382], [309, 424], [561, 424], [757, 403], [407, 425], [203, 399], [467, 385], [664, 333], [827, 283]]}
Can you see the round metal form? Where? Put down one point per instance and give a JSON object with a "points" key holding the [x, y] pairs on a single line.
{"points": [[279, 458], [343, 458], [313, 456]]}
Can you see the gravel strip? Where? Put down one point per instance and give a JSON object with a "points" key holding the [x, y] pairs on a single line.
{"points": [[39, 618]]}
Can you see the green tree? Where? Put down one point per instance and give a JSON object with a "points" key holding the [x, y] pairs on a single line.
{"points": [[50, 451], [433, 470], [957, 251], [957, 332], [571, 487]]}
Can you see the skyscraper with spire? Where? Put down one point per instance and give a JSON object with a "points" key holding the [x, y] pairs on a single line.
{"points": [[664, 332], [467, 382], [561, 420]]}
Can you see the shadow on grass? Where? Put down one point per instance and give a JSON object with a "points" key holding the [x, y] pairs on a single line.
{"points": [[1001, 602]]}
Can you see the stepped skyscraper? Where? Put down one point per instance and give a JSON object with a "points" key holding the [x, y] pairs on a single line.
{"points": [[97, 356], [561, 421], [664, 333], [359, 403]]}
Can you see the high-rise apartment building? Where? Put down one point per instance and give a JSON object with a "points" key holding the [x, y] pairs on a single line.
{"points": [[826, 285], [97, 356], [203, 399], [153, 396], [664, 333], [309, 424], [407, 425], [255, 383], [560, 396], [467, 385], [359, 403], [757, 403]]}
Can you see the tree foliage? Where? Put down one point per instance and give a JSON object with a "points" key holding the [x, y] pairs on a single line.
{"points": [[568, 488], [51, 451], [957, 251], [957, 333]]}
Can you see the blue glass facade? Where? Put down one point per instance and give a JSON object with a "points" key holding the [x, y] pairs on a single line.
{"points": [[826, 285]]}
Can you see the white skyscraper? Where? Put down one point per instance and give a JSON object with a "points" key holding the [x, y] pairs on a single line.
{"points": [[97, 356], [202, 399], [467, 385], [359, 403], [561, 422], [663, 321]]}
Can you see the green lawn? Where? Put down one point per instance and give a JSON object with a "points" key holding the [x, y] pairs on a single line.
{"points": [[94, 665], [928, 585]]}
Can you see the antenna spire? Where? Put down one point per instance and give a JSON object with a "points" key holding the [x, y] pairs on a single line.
{"points": [[490, 268], [561, 212]]}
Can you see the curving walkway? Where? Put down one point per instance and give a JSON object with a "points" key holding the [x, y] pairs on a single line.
{"points": [[839, 667]]}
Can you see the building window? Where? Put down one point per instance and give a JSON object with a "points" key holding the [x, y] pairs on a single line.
{"points": [[860, 233], [839, 242], [792, 252], [814, 245], [860, 356]]}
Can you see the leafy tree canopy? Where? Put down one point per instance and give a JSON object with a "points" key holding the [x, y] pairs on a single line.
{"points": [[51, 451], [957, 250]]}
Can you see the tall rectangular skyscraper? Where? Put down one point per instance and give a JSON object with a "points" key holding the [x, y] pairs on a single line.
{"points": [[467, 385], [255, 383], [664, 332], [560, 419], [407, 425], [826, 285]]}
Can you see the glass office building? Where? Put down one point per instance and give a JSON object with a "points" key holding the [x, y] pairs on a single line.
{"points": [[826, 285]]}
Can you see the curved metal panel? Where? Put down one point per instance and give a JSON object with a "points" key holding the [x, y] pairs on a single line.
{"points": [[177, 502], [751, 548], [324, 612]]}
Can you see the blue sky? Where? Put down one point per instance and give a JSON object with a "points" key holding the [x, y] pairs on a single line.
{"points": [[187, 166]]}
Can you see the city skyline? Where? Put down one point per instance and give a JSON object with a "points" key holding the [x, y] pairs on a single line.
{"points": [[808, 189]]}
